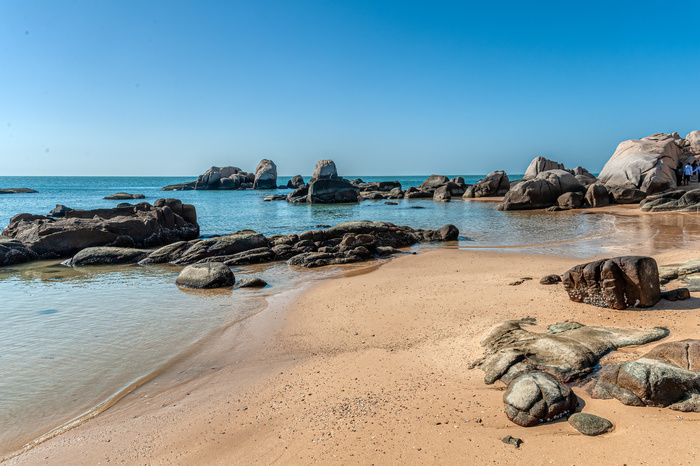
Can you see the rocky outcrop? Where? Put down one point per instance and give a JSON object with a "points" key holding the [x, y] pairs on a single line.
{"points": [[539, 165], [626, 195], [568, 350], [299, 195], [265, 175], [59, 211], [597, 195], [225, 178], [683, 201], [123, 196], [647, 164], [442, 194], [434, 181], [325, 169], [494, 184], [542, 191], [106, 255], [141, 225], [617, 283], [206, 276], [16, 191], [297, 181], [537, 397], [221, 247], [13, 251], [667, 376], [326, 190], [186, 186]]}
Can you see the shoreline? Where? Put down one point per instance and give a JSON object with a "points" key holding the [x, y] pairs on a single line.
{"points": [[273, 319]]}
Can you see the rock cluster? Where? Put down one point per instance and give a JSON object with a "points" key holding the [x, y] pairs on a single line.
{"points": [[124, 196], [140, 225], [265, 177], [494, 184], [617, 283], [683, 201]]}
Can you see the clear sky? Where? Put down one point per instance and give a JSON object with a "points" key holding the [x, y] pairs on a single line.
{"points": [[91, 87]]}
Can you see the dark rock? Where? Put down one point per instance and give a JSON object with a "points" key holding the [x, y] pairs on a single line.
{"points": [[590, 424], [617, 283], [434, 181], [571, 200], [60, 211], [494, 184], [512, 441], [687, 202], [223, 246], [251, 256], [442, 194], [104, 255], [325, 170], [667, 376], [299, 195], [416, 193], [395, 193], [332, 191], [457, 180], [223, 178], [296, 182], [167, 253], [124, 196], [265, 175], [187, 186], [542, 191], [597, 195], [537, 397], [13, 251], [17, 191], [626, 195], [168, 220], [275, 197], [251, 282], [550, 279], [539, 165], [568, 350], [391, 203], [206, 276], [680, 294]]}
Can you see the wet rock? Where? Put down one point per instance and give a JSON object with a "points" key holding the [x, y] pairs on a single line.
{"points": [[187, 186], [617, 283], [106, 255], [251, 282], [391, 203], [167, 253], [206, 276], [275, 197], [679, 294], [17, 191], [296, 182], [568, 350], [590, 424], [124, 196], [265, 175], [251, 256], [537, 397], [299, 195], [550, 279], [13, 251], [667, 376], [417, 193], [223, 246]]}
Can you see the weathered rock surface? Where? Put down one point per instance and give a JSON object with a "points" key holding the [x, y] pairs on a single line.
{"points": [[571, 200], [647, 164], [59, 211], [222, 246], [16, 191], [124, 196], [186, 186], [568, 350], [590, 424], [597, 195], [673, 271], [617, 283], [434, 181], [299, 195], [683, 201], [251, 282], [13, 251], [324, 191], [325, 169], [495, 183], [550, 279], [537, 397], [206, 276], [265, 175], [667, 376], [103, 255], [539, 165], [541, 191], [626, 195], [442, 194], [224, 178], [297, 181], [141, 225]]}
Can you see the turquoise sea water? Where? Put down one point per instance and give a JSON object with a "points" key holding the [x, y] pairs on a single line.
{"points": [[70, 339]]}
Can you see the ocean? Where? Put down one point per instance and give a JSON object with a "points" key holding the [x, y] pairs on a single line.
{"points": [[72, 341]]}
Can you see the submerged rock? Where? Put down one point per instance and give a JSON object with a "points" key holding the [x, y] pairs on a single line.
{"points": [[251, 282], [206, 276]]}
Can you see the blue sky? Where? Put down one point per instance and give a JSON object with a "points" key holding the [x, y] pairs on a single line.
{"points": [[382, 87]]}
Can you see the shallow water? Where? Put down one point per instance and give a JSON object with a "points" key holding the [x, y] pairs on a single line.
{"points": [[70, 339]]}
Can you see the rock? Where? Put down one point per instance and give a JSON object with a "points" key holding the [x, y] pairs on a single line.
{"points": [[617, 283], [597, 195], [227, 178], [680, 294], [275, 197], [416, 193], [325, 169], [516, 442], [537, 397], [206, 276], [683, 201], [442, 194], [542, 191], [299, 195], [673, 271], [391, 203], [332, 191], [124, 196], [104, 255], [187, 186], [590, 424], [167, 253], [296, 182], [557, 208], [141, 225], [251, 256], [60, 211], [265, 175], [223, 246], [568, 350], [571, 200], [251, 282], [539, 165], [17, 191], [494, 184], [667, 376], [457, 180], [434, 181], [647, 164], [13, 251], [550, 279], [626, 195], [395, 193]]}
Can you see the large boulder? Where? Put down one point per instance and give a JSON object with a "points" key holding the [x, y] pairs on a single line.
{"points": [[542, 191], [626, 194], [103, 255], [299, 195], [495, 183], [223, 246], [297, 181], [13, 251], [140, 225], [442, 194], [617, 283], [265, 175], [539, 165], [225, 178], [434, 181], [325, 169], [571, 200], [567, 350], [327, 190], [537, 397], [206, 276], [597, 195], [667, 376], [647, 164]]}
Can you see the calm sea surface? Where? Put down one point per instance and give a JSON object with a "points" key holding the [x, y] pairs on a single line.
{"points": [[72, 339]]}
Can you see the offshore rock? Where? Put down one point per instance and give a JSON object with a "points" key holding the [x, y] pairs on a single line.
{"points": [[495, 183], [265, 175], [206, 276], [325, 169], [124, 196], [17, 191], [296, 182], [325, 191]]}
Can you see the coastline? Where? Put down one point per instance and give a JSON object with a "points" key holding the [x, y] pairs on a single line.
{"points": [[352, 352]]}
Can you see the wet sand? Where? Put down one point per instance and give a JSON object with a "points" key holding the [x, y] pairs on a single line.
{"points": [[373, 368]]}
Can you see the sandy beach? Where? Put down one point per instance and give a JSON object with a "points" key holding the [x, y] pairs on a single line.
{"points": [[372, 368]]}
